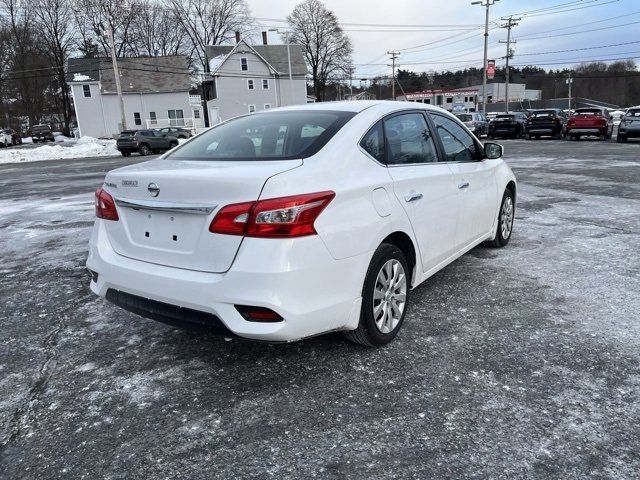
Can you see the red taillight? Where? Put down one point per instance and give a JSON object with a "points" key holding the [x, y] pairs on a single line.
{"points": [[258, 314], [105, 205], [273, 218]]}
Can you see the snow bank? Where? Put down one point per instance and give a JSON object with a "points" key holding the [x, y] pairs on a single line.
{"points": [[84, 147], [79, 77]]}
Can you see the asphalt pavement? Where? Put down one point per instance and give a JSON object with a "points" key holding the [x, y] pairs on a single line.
{"points": [[521, 362]]}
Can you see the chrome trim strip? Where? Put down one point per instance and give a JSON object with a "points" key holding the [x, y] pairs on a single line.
{"points": [[192, 208]]}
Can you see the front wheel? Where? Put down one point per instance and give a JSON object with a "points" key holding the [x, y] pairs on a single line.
{"points": [[384, 298], [144, 150], [505, 221]]}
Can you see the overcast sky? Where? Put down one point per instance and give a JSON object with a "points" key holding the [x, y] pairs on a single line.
{"points": [[573, 24]]}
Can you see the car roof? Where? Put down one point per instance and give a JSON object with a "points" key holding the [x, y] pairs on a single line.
{"points": [[357, 106]]}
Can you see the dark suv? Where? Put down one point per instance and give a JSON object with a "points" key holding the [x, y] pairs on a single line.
{"points": [[508, 125], [42, 133], [144, 142], [549, 122]]}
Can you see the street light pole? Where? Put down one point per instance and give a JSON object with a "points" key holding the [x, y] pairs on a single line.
{"points": [[286, 40], [486, 4]]}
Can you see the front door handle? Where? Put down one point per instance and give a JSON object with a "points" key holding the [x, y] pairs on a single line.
{"points": [[412, 197], [463, 185]]}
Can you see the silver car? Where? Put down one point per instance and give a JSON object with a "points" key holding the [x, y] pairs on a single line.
{"points": [[629, 125], [476, 122]]}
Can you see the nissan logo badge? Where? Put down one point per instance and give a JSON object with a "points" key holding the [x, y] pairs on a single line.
{"points": [[154, 190]]}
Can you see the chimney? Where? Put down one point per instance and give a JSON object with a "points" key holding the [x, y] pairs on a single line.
{"points": [[237, 37], [264, 38]]}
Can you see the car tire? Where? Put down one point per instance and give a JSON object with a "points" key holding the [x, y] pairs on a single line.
{"points": [[144, 150], [506, 217], [125, 154], [173, 145], [384, 299]]}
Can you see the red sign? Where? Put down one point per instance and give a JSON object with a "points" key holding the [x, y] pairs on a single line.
{"points": [[491, 69]]}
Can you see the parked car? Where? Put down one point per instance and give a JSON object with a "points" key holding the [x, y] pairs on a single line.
{"points": [[476, 122], [550, 122], [328, 230], [629, 125], [16, 139], [176, 132], [589, 121], [5, 139], [507, 125], [144, 142], [42, 133]]}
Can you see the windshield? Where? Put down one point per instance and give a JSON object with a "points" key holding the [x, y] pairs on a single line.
{"points": [[543, 113], [588, 112], [464, 117], [280, 135]]}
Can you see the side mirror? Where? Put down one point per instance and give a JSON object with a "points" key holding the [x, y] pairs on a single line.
{"points": [[492, 150]]}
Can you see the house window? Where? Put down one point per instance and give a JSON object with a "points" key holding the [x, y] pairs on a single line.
{"points": [[176, 118], [86, 90], [244, 64], [449, 99], [136, 118], [152, 118], [265, 84], [250, 84], [427, 100], [252, 108], [196, 114], [267, 106]]}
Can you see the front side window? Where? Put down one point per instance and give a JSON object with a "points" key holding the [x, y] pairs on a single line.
{"points": [[244, 64], [373, 142], [458, 145], [250, 85], [266, 136], [86, 90], [409, 140]]}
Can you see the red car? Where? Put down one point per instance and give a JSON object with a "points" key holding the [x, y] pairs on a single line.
{"points": [[589, 122]]}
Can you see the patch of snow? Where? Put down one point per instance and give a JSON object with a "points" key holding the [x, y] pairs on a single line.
{"points": [[79, 77], [84, 147]]}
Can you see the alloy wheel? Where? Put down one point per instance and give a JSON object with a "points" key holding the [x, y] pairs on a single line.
{"points": [[506, 217], [389, 296]]}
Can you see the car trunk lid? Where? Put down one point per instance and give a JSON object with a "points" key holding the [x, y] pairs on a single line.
{"points": [[166, 207]]}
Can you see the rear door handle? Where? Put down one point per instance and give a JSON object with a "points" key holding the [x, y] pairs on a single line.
{"points": [[462, 185], [412, 197]]}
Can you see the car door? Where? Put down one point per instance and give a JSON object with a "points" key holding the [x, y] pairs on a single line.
{"points": [[474, 177], [422, 184]]}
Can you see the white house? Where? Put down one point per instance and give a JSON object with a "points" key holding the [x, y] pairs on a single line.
{"points": [[155, 94], [249, 78]]}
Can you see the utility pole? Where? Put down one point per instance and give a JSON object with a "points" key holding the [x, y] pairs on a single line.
{"points": [[486, 4], [109, 32], [511, 22], [570, 83], [286, 41], [393, 55]]}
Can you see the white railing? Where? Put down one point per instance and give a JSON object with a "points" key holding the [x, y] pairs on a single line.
{"points": [[193, 124]]}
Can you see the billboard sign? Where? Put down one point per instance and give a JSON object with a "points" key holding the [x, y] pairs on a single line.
{"points": [[491, 69]]}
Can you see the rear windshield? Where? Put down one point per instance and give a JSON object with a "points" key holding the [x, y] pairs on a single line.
{"points": [[588, 112], [464, 117], [632, 113], [543, 113], [265, 136], [41, 128]]}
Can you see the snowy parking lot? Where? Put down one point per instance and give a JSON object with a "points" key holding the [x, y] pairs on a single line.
{"points": [[522, 362]]}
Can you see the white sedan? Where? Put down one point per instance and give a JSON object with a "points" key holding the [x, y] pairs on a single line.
{"points": [[298, 221]]}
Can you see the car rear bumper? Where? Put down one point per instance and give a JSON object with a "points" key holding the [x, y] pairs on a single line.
{"points": [[585, 131], [298, 279], [544, 130]]}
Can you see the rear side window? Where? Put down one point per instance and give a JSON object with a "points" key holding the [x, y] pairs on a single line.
{"points": [[409, 140], [373, 142], [266, 136], [458, 145]]}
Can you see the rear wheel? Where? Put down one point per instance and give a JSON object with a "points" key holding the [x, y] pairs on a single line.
{"points": [[505, 221], [144, 150], [384, 298]]}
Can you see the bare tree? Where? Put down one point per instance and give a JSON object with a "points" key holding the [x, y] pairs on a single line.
{"points": [[57, 38], [326, 47], [157, 31], [210, 22], [94, 17]]}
